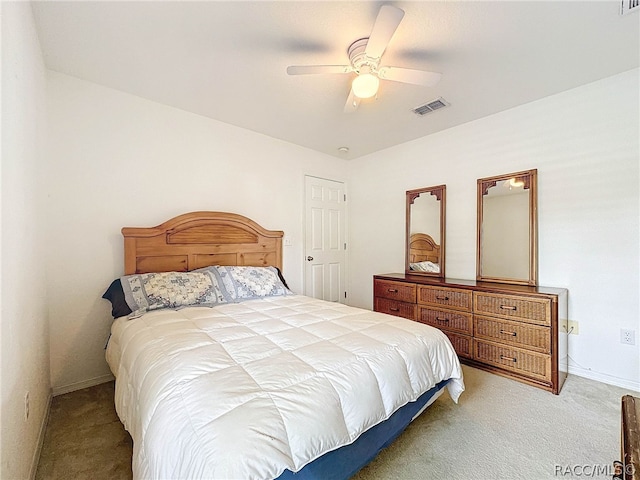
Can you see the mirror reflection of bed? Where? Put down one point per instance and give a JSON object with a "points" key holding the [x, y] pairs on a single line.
{"points": [[424, 253], [425, 231]]}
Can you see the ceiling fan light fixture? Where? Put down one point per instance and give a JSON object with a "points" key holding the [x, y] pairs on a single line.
{"points": [[365, 85], [513, 183]]}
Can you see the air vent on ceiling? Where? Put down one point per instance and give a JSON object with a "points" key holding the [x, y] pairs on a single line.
{"points": [[629, 6], [431, 106]]}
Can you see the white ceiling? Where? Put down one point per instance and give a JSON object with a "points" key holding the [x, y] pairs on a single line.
{"points": [[227, 60]]}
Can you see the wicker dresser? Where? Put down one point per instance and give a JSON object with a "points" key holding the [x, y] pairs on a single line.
{"points": [[511, 330]]}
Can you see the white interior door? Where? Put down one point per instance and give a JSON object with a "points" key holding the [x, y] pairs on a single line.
{"points": [[325, 247]]}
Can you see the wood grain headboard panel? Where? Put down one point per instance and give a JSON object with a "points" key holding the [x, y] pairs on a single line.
{"points": [[423, 248], [200, 239]]}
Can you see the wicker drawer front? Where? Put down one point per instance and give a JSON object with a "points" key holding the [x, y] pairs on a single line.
{"points": [[446, 319], [445, 297], [518, 334], [524, 362], [461, 344], [404, 292], [399, 309], [531, 310]]}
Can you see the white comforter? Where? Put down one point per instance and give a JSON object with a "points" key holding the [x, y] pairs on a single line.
{"points": [[248, 390]]}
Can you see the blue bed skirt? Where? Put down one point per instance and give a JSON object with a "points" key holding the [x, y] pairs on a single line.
{"points": [[345, 462]]}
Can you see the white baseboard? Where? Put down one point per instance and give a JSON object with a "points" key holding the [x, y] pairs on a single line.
{"points": [[72, 387], [604, 378], [43, 430]]}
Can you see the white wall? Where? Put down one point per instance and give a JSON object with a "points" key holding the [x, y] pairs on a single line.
{"points": [[584, 143], [505, 235], [425, 216], [117, 160], [24, 329]]}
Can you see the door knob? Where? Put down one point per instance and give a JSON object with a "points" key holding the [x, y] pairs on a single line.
{"points": [[309, 258]]}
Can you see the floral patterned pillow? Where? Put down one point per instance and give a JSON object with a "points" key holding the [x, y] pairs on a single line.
{"points": [[152, 291], [246, 283]]}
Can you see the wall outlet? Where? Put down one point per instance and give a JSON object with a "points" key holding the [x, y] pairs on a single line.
{"points": [[26, 406], [628, 337], [288, 242], [572, 327]]}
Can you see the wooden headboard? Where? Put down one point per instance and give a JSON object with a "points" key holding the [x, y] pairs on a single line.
{"points": [[200, 239], [423, 248]]}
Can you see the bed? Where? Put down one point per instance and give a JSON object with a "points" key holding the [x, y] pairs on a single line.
{"points": [[249, 380], [424, 253]]}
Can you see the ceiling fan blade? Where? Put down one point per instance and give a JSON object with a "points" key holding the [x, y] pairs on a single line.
{"points": [[315, 69], [408, 75], [386, 24], [352, 103]]}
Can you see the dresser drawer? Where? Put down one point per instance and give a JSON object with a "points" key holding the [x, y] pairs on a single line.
{"points": [[446, 319], [445, 297], [392, 307], [461, 343], [530, 310], [518, 334], [404, 292], [525, 362]]}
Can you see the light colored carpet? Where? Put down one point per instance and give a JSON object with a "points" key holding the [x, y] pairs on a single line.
{"points": [[85, 439], [501, 429]]}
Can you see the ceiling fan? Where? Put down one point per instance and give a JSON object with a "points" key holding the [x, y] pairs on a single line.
{"points": [[364, 57]]}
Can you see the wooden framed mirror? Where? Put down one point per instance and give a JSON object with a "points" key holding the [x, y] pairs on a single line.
{"points": [[507, 241], [425, 231]]}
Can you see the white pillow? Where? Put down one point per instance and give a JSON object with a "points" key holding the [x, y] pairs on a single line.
{"points": [[426, 266]]}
